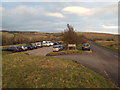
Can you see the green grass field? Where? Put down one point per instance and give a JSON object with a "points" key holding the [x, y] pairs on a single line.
{"points": [[25, 71]]}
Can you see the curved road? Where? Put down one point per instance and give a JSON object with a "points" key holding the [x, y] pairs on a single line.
{"points": [[102, 61]]}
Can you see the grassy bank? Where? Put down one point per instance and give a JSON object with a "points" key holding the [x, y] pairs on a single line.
{"points": [[113, 45], [25, 71], [66, 52]]}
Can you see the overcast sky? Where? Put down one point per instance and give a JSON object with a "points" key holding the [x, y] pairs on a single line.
{"points": [[54, 16]]}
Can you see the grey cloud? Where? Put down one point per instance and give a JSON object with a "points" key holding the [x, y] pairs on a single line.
{"points": [[48, 18]]}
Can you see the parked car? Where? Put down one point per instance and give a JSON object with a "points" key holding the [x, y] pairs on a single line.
{"points": [[56, 43], [29, 47], [46, 44], [14, 49], [34, 46], [86, 46], [61, 47], [51, 43], [25, 47], [39, 44], [57, 48], [22, 48]]}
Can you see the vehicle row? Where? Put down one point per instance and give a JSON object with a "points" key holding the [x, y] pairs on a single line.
{"points": [[30, 46], [21, 48]]}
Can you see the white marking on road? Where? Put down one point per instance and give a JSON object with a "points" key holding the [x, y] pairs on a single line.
{"points": [[106, 74]]}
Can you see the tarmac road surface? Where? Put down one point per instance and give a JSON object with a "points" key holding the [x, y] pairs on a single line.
{"points": [[102, 61]]}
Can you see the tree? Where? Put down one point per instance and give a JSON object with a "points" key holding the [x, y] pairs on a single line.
{"points": [[71, 37]]}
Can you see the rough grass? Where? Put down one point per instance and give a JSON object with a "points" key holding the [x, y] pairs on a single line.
{"points": [[113, 45], [103, 36], [64, 52], [24, 71]]}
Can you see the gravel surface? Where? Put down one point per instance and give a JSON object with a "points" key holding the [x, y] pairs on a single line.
{"points": [[40, 51]]}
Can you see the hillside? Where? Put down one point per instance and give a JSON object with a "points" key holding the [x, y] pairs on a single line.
{"points": [[18, 37]]}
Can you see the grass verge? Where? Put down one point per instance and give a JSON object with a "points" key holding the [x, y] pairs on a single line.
{"points": [[113, 45], [67, 52], [25, 71], [64, 52]]}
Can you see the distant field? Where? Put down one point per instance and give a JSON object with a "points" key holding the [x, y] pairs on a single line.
{"points": [[99, 36], [9, 38], [25, 71], [113, 45]]}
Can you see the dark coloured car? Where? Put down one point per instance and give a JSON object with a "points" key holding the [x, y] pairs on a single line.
{"points": [[29, 47], [14, 49], [86, 46], [56, 43], [61, 47], [22, 48], [34, 46]]}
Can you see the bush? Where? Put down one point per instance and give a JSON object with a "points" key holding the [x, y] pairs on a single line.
{"points": [[79, 47]]}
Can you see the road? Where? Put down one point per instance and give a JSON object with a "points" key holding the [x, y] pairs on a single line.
{"points": [[102, 61]]}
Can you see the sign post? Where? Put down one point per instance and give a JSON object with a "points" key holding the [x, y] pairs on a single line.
{"points": [[71, 46]]}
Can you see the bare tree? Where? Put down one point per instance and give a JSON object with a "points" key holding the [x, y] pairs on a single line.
{"points": [[71, 37]]}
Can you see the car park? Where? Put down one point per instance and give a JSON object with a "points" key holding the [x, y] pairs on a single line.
{"points": [[86, 46], [31, 46]]}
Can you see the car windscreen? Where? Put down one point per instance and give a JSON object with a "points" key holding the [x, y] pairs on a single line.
{"points": [[84, 45], [56, 47]]}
